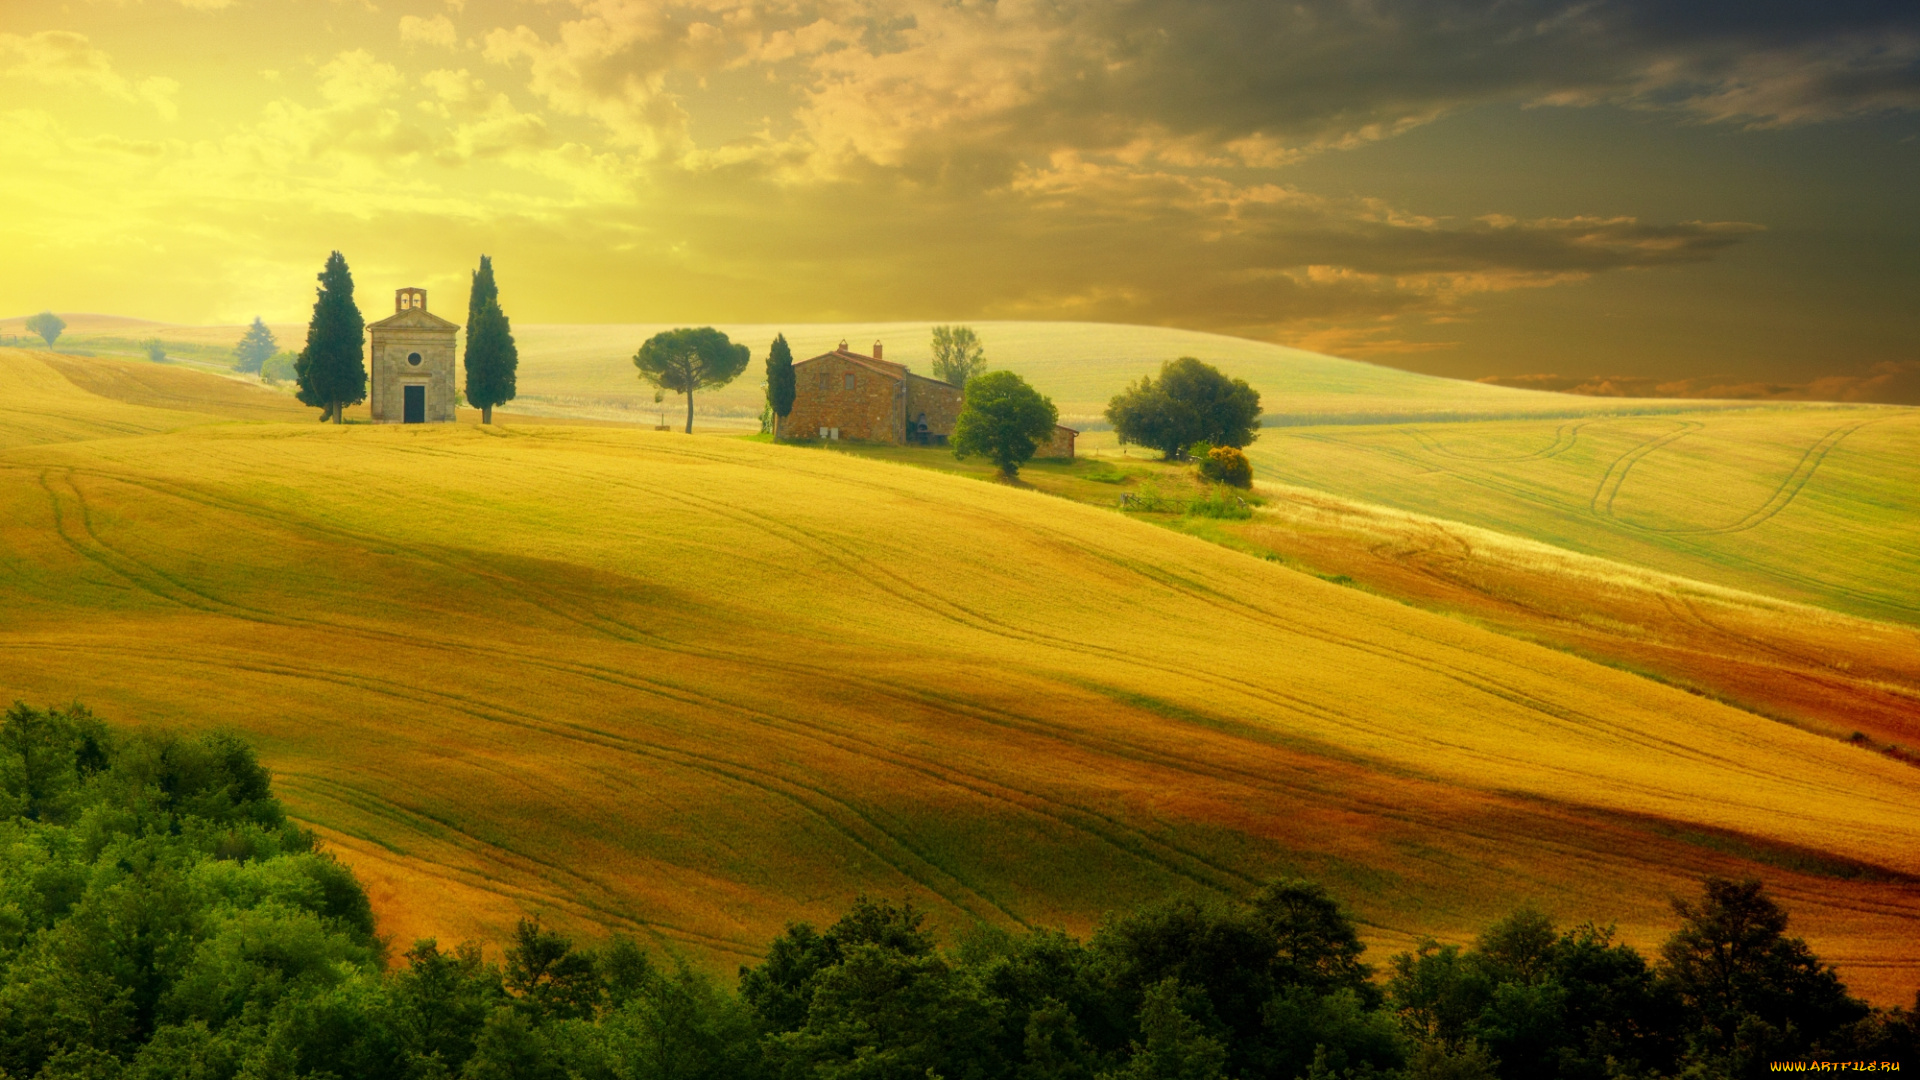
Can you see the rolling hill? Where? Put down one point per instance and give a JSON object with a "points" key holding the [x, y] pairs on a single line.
{"points": [[691, 687], [1814, 503]]}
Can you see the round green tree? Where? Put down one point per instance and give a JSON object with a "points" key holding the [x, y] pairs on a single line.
{"points": [[1190, 402], [685, 360], [332, 369], [492, 359], [47, 325], [780, 384], [1003, 420]]}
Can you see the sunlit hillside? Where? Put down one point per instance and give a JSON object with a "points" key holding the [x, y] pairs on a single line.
{"points": [[692, 686], [1813, 503], [587, 370]]}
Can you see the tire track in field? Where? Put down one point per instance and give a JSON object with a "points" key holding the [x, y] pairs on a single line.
{"points": [[852, 561], [655, 688], [1525, 700], [73, 524], [472, 877], [1789, 488], [1194, 590], [1566, 717], [711, 703], [768, 783], [1602, 502], [1563, 439], [1820, 591]]}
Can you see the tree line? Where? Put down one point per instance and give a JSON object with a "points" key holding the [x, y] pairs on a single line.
{"points": [[162, 917]]}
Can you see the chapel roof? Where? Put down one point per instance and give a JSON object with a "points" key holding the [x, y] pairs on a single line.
{"points": [[414, 319]]}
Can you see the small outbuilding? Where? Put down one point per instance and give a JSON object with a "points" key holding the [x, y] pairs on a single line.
{"points": [[413, 363]]}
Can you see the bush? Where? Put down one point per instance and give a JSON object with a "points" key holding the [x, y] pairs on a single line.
{"points": [[1220, 503], [1227, 465], [279, 368]]}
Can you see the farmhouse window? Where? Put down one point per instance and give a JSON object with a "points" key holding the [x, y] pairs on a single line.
{"points": [[849, 380]]}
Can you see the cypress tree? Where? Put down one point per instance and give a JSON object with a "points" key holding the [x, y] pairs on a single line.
{"points": [[780, 388], [492, 357], [256, 347], [332, 369]]}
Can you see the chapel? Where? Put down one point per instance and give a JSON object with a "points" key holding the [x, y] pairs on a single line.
{"points": [[413, 363]]}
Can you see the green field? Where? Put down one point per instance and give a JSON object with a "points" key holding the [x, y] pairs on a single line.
{"points": [[691, 687], [1811, 503]]}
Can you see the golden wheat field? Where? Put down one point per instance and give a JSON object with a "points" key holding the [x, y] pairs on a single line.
{"points": [[691, 687]]}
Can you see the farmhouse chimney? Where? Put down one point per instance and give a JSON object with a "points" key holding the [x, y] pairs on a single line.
{"points": [[409, 300], [843, 344], [876, 350]]}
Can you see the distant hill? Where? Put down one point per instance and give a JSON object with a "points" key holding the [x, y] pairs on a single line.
{"points": [[587, 370], [690, 687]]}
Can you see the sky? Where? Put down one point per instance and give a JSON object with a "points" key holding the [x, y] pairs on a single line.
{"points": [[1581, 187]]}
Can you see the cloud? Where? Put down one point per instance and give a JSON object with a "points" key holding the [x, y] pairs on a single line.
{"points": [[964, 93], [356, 78], [438, 30], [60, 58]]}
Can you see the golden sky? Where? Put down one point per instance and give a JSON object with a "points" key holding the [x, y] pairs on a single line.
{"points": [[1470, 189]]}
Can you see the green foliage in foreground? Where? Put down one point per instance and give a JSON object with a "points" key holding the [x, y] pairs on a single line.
{"points": [[1003, 420], [160, 917]]}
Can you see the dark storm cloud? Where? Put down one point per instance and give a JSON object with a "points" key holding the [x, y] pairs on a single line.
{"points": [[1321, 73]]}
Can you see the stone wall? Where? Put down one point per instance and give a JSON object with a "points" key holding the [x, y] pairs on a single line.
{"points": [[391, 371], [1060, 446], [834, 392], [938, 402]]}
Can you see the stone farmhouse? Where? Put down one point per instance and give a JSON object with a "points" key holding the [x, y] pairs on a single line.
{"points": [[845, 395], [413, 372]]}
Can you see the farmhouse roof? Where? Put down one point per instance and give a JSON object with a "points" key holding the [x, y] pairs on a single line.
{"points": [[880, 367]]}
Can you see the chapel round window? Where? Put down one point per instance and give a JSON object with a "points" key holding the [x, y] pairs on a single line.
{"points": [[414, 359]]}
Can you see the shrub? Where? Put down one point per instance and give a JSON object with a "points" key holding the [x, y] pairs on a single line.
{"points": [[1220, 503], [279, 367], [1227, 465]]}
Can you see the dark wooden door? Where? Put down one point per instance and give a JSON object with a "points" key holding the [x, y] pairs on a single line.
{"points": [[413, 408]]}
